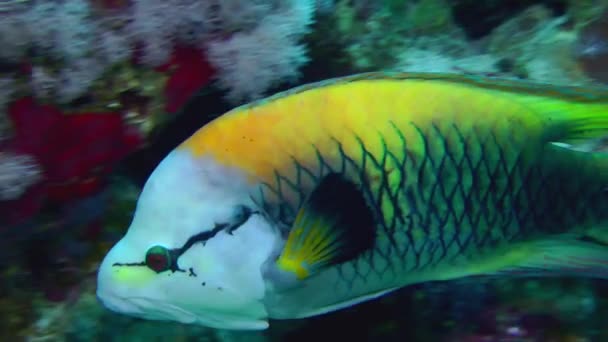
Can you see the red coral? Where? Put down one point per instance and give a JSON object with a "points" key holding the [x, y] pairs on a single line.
{"points": [[76, 152], [189, 71]]}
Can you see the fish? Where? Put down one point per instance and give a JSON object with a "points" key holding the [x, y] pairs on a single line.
{"points": [[338, 192]]}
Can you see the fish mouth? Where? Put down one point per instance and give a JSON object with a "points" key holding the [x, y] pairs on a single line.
{"points": [[150, 309], [141, 307]]}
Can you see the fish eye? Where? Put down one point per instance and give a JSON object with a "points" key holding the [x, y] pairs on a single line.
{"points": [[158, 259]]}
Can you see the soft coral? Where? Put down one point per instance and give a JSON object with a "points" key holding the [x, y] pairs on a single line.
{"points": [[189, 71], [76, 152]]}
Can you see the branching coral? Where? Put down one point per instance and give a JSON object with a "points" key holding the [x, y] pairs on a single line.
{"points": [[157, 24], [65, 37], [17, 174], [75, 42], [535, 44], [539, 46], [376, 32], [253, 44], [249, 63]]}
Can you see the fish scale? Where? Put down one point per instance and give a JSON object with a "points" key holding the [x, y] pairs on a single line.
{"points": [[466, 193], [493, 207], [456, 170], [400, 206]]}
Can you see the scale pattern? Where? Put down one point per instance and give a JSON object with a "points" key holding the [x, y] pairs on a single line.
{"points": [[441, 193]]}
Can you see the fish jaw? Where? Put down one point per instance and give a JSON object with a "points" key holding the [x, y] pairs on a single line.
{"points": [[141, 293]]}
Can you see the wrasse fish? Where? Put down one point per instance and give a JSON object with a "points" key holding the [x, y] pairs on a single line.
{"points": [[342, 191]]}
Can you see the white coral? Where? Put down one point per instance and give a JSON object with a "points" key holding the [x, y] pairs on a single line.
{"points": [[114, 46], [250, 63], [17, 174], [75, 35], [43, 84], [238, 15], [76, 77], [14, 39], [61, 28], [262, 48], [152, 27], [431, 60]]}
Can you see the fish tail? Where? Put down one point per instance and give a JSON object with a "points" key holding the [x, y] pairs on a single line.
{"points": [[573, 119]]}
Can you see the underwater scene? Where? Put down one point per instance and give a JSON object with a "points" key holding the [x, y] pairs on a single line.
{"points": [[285, 170]]}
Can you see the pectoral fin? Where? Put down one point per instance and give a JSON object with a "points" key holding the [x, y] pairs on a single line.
{"points": [[334, 225]]}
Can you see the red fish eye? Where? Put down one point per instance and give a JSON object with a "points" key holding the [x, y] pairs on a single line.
{"points": [[158, 259]]}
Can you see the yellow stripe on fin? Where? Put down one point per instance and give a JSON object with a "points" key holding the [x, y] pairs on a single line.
{"points": [[334, 225]]}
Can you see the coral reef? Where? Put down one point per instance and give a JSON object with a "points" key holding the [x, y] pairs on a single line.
{"points": [[114, 69], [248, 71], [538, 46], [582, 12], [76, 41], [45, 274], [376, 32], [108, 64], [74, 151], [17, 173], [533, 45], [555, 42], [592, 49]]}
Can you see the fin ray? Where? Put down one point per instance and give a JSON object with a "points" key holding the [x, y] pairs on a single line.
{"points": [[334, 225]]}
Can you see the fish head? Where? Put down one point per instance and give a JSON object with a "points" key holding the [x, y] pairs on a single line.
{"points": [[180, 260]]}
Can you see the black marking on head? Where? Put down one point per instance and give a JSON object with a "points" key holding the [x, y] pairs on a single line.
{"points": [[242, 214], [191, 272], [129, 264], [161, 259], [203, 283]]}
